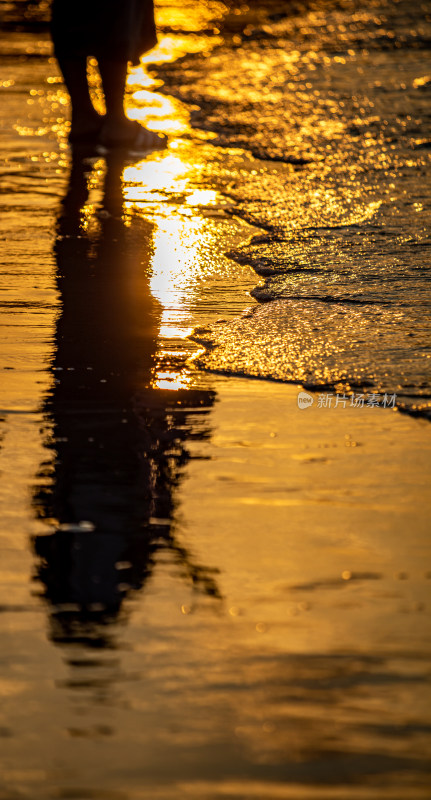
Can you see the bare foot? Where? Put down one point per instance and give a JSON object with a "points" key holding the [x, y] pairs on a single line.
{"points": [[131, 135], [85, 128]]}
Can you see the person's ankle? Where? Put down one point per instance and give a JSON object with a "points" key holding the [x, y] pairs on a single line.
{"points": [[82, 116], [118, 124], [85, 125], [116, 117]]}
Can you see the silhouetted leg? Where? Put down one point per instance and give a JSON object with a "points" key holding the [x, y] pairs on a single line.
{"points": [[118, 129], [86, 122], [114, 74]]}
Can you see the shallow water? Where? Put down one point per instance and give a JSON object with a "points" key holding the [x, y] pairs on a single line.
{"points": [[337, 99], [205, 591]]}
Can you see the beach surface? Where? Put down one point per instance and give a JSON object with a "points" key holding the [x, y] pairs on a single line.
{"points": [[214, 437]]}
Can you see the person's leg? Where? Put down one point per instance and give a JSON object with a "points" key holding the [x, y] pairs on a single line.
{"points": [[71, 41], [114, 74], [86, 122], [118, 129]]}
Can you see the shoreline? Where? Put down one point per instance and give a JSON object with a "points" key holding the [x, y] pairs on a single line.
{"points": [[344, 248]]}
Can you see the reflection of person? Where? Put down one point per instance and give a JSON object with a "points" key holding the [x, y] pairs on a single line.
{"points": [[115, 33], [117, 444]]}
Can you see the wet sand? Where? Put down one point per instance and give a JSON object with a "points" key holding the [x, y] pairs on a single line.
{"points": [[206, 591]]}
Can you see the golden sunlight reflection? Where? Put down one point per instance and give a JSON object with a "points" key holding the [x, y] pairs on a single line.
{"points": [[170, 48], [166, 186], [176, 264], [160, 176], [95, 85], [178, 242], [194, 30], [171, 330], [203, 197], [157, 112], [90, 221], [190, 16], [171, 381]]}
